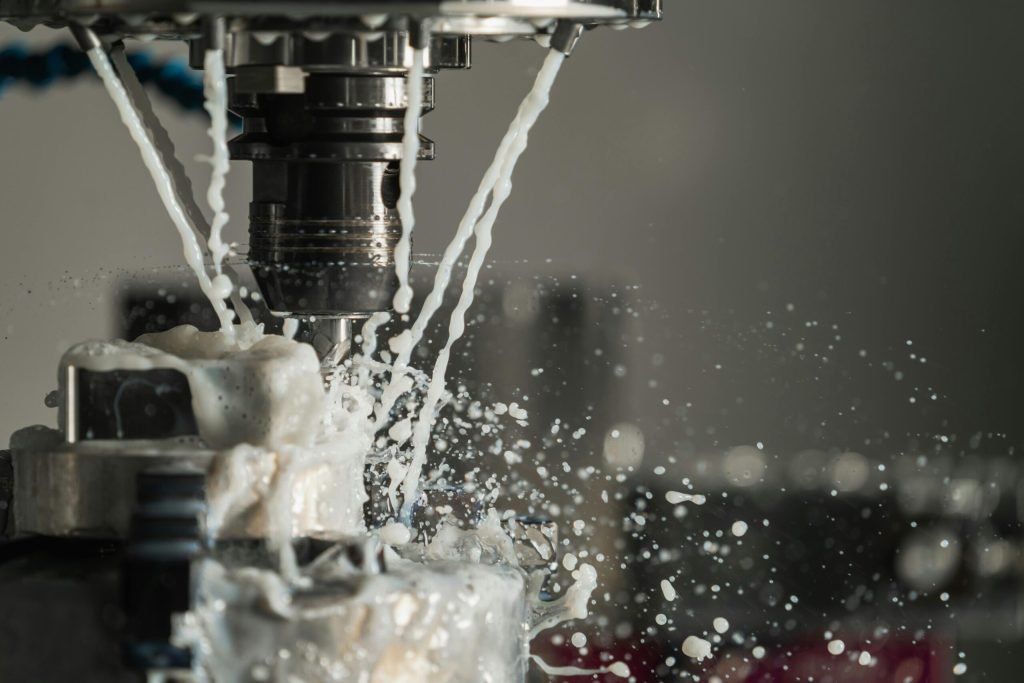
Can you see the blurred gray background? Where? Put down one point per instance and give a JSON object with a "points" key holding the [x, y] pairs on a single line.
{"points": [[796, 188]]}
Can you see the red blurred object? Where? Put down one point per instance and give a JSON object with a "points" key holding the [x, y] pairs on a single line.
{"points": [[893, 660]]}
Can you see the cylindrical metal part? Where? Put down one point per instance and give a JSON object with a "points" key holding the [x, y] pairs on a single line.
{"points": [[313, 254], [87, 490], [323, 220], [331, 338]]}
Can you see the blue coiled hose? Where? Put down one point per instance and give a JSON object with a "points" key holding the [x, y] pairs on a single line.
{"points": [[41, 70]]}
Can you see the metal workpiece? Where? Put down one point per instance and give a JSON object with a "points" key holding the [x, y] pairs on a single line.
{"points": [[126, 429], [88, 490], [125, 404], [122, 429]]}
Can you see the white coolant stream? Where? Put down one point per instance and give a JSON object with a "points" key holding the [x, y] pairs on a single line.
{"points": [[407, 217], [407, 180], [161, 178], [215, 89], [529, 111], [403, 344]]}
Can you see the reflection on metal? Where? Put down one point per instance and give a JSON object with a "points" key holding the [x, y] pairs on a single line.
{"points": [[88, 490]]}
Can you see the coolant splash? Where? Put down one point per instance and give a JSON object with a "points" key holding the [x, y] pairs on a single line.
{"points": [[289, 455]]}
